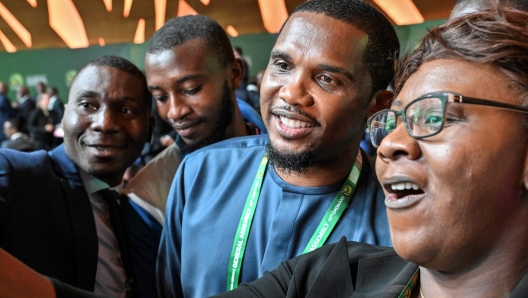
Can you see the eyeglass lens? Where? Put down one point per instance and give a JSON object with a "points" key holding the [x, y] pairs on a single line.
{"points": [[423, 117]]}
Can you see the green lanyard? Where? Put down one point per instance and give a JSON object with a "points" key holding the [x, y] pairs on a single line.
{"points": [[408, 290], [330, 219]]}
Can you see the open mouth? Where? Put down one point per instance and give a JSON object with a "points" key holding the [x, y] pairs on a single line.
{"points": [[403, 189]]}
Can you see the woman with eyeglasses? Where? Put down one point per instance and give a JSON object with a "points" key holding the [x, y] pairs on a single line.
{"points": [[453, 160]]}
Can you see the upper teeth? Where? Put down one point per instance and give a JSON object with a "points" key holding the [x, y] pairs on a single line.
{"points": [[294, 123], [404, 185]]}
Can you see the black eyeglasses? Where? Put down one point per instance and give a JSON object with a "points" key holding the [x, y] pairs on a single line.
{"points": [[424, 116]]}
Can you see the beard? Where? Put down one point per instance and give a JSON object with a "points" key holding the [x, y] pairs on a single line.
{"points": [[289, 162], [226, 112]]}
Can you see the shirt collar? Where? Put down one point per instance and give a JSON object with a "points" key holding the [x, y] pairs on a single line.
{"points": [[16, 135], [92, 184], [23, 99]]}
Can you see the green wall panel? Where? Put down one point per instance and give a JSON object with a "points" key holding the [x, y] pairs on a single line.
{"points": [[257, 49], [53, 64]]}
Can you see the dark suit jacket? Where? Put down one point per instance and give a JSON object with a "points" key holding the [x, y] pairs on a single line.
{"points": [[24, 110], [6, 112], [58, 110], [46, 219], [37, 121], [344, 269]]}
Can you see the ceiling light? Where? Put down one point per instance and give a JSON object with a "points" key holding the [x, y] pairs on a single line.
{"points": [[402, 12], [273, 13], [232, 31], [127, 7], [19, 29], [33, 3], [160, 7], [108, 4], [67, 23], [185, 9], [139, 37], [9, 47], [205, 2]]}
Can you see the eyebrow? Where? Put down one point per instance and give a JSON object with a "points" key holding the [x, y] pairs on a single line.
{"points": [[93, 94], [332, 68], [323, 66], [281, 55], [87, 93], [397, 103], [179, 81]]}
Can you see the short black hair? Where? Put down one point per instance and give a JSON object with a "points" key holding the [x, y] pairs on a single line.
{"points": [[124, 65], [181, 29], [239, 50], [498, 38], [14, 123], [383, 45], [518, 4]]}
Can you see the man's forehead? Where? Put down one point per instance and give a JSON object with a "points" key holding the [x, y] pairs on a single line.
{"points": [[306, 23], [324, 38], [100, 78], [195, 48], [191, 59]]}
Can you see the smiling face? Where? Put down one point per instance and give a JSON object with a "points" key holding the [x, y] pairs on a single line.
{"points": [[470, 176], [106, 122], [194, 91], [315, 91]]}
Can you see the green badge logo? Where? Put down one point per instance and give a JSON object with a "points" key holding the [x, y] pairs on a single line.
{"points": [[16, 80], [70, 74], [347, 190]]}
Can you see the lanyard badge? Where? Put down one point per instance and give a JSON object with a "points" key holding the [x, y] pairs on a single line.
{"points": [[323, 231]]}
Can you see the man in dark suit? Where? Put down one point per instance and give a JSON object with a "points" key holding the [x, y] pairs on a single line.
{"points": [[24, 106], [16, 139], [55, 104], [41, 124], [6, 111], [57, 208]]}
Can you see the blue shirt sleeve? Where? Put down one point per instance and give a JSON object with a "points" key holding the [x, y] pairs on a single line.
{"points": [[249, 114]]}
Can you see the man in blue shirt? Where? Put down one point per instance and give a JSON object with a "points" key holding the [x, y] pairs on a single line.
{"points": [[193, 74], [330, 62]]}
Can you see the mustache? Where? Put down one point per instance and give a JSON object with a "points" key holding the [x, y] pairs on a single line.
{"points": [[289, 109], [278, 110]]}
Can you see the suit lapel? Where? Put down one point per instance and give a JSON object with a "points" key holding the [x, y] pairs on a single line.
{"points": [[81, 218], [334, 276], [383, 275], [521, 289]]}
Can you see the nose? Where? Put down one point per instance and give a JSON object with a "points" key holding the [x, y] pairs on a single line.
{"points": [[175, 108], [398, 144], [295, 90], [105, 121]]}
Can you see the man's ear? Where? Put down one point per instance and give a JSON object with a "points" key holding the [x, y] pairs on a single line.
{"points": [[237, 72], [381, 100]]}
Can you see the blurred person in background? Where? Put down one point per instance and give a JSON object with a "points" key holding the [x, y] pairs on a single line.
{"points": [[6, 110], [16, 139], [41, 124]]}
